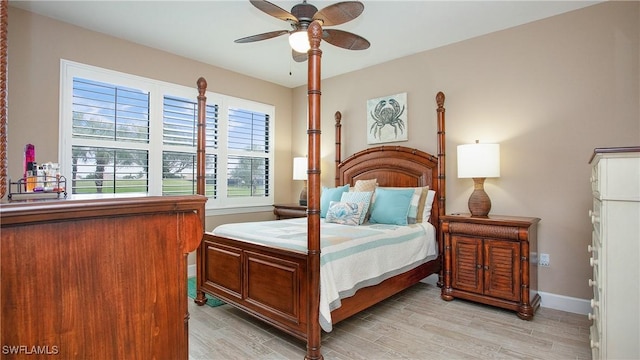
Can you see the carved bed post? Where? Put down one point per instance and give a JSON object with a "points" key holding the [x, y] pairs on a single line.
{"points": [[441, 173], [4, 9], [201, 299], [338, 117], [200, 156], [313, 207], [441, 153]]}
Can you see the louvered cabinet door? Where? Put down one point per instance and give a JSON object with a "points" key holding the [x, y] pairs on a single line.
{"points": [[467, 261], [502, 269]]}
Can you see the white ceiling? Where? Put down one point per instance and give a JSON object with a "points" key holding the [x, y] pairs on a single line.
{"points": [[205, 30]]}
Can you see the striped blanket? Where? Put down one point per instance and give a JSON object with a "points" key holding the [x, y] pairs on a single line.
{"points": [[352, 257]]}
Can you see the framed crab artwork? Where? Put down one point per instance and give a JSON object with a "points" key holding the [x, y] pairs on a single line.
{"points": [[387, 119]]}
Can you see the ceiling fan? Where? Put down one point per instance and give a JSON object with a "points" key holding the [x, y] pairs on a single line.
{"points": [[302, 15]]}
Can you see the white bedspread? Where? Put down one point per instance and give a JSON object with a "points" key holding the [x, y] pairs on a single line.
{"points": [[352, 257]]}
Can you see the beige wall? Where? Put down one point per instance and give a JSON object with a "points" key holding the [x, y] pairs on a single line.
{"points": [[549, 92], [36, 45]]}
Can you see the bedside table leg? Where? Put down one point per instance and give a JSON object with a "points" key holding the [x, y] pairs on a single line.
{"points": [[527, 310], [446, 289]]}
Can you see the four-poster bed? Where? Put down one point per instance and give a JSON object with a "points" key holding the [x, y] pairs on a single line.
{"points": [[282, 286]]}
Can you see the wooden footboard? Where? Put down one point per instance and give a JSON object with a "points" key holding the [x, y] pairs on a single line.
{"points": [[269, 283]]}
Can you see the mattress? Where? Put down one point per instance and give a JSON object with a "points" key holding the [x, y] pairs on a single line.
{"points": [[352, 257]]}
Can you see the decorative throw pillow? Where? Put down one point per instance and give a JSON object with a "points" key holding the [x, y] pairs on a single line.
{"points": [[431, 195], [363, 197], [345, 213], [421, 203], [365, 185], [328, 195], [391, 206], [416, 212]]}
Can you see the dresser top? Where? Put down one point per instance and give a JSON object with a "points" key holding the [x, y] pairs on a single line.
{"points": [[614, 150], [84, 207]]}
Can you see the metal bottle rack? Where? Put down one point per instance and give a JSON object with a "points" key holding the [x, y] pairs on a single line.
{"points": [[58, 186]]}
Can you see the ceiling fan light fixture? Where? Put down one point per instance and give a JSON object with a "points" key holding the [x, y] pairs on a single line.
{"points": [[299, 41]]}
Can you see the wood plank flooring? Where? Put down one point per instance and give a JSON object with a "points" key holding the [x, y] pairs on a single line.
{"points": [[415, 324]]}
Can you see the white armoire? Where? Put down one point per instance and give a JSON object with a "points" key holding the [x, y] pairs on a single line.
{"points": [[615, 253]]}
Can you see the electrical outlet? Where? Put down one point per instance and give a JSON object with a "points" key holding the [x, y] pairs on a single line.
{"points": [[544, 260]]}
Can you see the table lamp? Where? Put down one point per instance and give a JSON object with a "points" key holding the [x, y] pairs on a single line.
{"points": [[300, 173], [479, 161]]}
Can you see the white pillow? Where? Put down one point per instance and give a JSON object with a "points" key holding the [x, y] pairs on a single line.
{"points": [[428, 204]]}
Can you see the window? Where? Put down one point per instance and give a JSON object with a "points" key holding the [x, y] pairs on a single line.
{"points": [[121, 133], [179, 139]]}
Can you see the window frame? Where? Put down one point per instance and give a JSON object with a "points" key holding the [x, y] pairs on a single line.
{"points": [[155, 147]]}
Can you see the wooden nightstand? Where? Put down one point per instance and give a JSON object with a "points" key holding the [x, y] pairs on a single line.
{"points": [[489, 260], [288, 211]]}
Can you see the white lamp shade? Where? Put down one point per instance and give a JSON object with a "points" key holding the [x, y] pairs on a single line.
{"points": [[300, 168], [478, 160], [299, 41]]}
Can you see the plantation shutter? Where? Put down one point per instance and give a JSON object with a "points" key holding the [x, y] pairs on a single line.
{"points": [[180, 134], [248, 161], [111, 131]]}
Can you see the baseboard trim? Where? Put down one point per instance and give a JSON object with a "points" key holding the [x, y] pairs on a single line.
{"points": [[565, 303], [548, 300]]}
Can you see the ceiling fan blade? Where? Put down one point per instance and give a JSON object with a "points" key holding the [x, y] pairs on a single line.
{"points": [[273, 10], [339, 13], [259, 37], [345, 40], [298, 56]]}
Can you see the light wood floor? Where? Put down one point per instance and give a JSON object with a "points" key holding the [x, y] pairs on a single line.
{"points": [[415, 324]]}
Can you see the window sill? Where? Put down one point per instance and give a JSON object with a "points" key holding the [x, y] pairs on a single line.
{"points": [[239, 210]]}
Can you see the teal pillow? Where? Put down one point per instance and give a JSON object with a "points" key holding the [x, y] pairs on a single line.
{"points": [[420, 193], [391, 206], [328, 195]]}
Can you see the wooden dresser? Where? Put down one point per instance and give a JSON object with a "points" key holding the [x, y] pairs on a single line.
{"points": [[615, 253], [489, 260], [97, 278]]}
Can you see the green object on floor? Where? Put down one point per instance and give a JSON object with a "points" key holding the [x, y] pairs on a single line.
{"points": [[191, 291]]}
